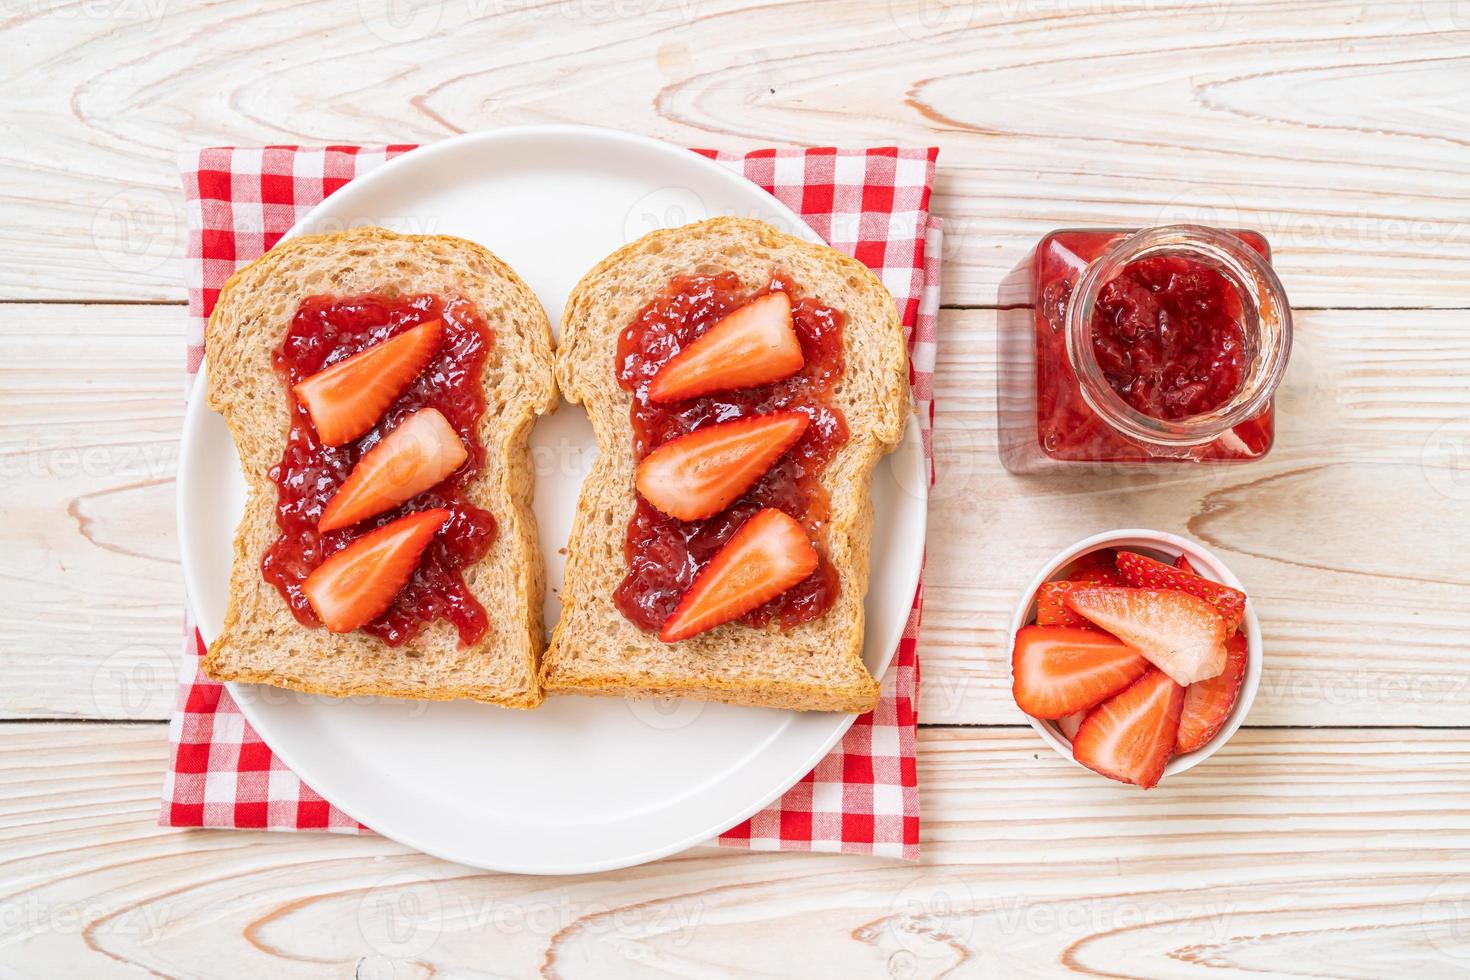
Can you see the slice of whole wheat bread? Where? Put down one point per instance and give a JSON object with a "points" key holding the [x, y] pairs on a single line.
{"points": [[262, 642], [815, 666]]}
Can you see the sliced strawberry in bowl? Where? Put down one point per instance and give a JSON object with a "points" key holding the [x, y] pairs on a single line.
{"points": [[700, 474], [1068, 726], [1051, 605], [767, 555], [357, 584], [1097, 567], [1181, 634], [348, 398], [421, 451], [754, 345], [1058, 670], [1130, 736], [1207, 703], [1145, 573]]}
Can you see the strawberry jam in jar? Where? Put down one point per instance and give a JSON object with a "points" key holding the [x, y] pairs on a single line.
{"points": [[1163, 345]]}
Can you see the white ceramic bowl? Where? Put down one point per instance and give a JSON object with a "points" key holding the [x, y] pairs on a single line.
{"points": [[1166, 548]]}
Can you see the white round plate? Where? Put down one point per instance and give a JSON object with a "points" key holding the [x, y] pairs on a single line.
{"points": [[580, 784]]}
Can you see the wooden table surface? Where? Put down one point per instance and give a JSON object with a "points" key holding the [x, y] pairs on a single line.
{"points": [[1331, 837]]}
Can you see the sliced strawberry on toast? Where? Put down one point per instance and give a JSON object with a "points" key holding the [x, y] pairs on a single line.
{"points": [[752, 346], [1051, 605], [1145, 573], [768, 555], [420, 451], [1057, 670], [1130, 736], [357, 584], [1208, 703], [1181, 634], [700, 474], [347, 399]]}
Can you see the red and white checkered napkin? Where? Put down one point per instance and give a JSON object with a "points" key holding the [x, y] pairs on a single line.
{"points": [[873, 204]]}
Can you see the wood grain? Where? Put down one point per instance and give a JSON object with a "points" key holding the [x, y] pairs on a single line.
{"points": [[1334, 128], [1339, 851], [91, 407], [1365, 616], [1338, 129]]}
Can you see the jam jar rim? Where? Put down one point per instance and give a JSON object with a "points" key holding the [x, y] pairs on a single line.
{"points": [[1266, 320]]}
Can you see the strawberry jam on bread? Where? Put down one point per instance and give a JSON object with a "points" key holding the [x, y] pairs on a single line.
{"points": [[742, 384], [382, 430], [712, 461], [329, 496]]}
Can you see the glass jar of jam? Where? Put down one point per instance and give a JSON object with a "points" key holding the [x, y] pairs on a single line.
{"points": [[1160, 345]]}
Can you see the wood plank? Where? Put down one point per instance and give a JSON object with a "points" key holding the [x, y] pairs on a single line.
{"points": [[91, 408], [1365, 614], [1331, 127], [1323, 853]]}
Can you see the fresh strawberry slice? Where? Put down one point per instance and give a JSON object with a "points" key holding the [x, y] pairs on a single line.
{"points": [[348, 398], [700, 474], [1206, 703], [1057, 670], [1182, 563], [1068, 726], [1098, 576], [1129, 736], [422, 450], [1097, 566], [1180, 634], [1145, 573], [768, 555], [1051, 606], [754, 345], [354, 586]]}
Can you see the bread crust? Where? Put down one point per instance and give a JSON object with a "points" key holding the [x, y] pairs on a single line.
{"points": [[261, 641], [815, 666]]}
